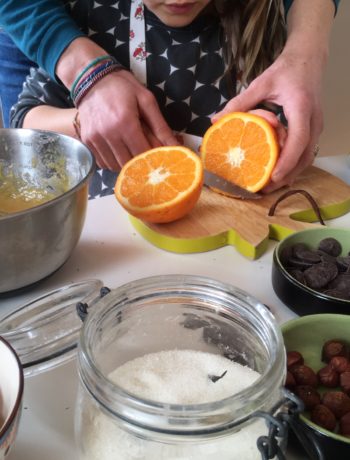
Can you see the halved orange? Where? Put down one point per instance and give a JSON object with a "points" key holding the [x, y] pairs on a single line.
{"points": [[160, 185], [242, 148]]}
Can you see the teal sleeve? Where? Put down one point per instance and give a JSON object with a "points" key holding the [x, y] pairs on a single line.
{"points": [[41, 29], [288, 4]]}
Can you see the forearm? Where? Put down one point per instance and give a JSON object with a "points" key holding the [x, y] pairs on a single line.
{"points": [[288, 3], [309, 27], [76, 56], [42, 29], [51, 119]]}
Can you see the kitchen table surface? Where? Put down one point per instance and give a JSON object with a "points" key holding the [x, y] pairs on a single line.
{"points": [[112, 251]]}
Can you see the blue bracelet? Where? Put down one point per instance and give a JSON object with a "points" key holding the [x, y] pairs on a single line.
{"points": [[87, 68], [85, 81]]}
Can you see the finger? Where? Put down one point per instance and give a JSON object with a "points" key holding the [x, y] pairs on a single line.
{"points": [[286, 181], [121, 155], [316, 130], [180, 138], [133, 136], [243, 102], [305, 160], [154, 142], [270, 117], [152, 115], [282, 135], [97, 148], [109, 155], [272, 187], [273, 120], [95, 136], [297, 142]]}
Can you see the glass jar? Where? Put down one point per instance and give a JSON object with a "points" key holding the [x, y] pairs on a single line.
{"points": [[166, 313]]}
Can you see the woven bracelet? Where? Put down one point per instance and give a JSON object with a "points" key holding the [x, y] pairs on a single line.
{"points": [[88, 84], [93, 82], [86, 69], [86, 80]]}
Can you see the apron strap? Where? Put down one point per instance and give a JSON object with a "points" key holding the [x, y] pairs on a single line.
{"points": [[138, 55], [137, 41]]}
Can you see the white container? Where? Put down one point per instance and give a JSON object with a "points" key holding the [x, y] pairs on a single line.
{"points": [[167, 314], [11, 394]]}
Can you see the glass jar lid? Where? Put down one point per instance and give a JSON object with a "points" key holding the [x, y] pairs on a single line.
{"points": [[44, 332]]}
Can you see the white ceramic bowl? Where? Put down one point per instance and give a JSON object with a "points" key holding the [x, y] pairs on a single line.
{"points": [[11, 393]]}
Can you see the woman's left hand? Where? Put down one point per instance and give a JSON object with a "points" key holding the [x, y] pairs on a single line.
{"points": [[295, 84]]}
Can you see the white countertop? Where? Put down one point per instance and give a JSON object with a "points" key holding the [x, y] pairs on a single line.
{"points": [[111, 250]]}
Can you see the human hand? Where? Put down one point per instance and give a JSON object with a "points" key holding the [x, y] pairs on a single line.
{"points": [[120, 118], [273, 120], [295, 84]]}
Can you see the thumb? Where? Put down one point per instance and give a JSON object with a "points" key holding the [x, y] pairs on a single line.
{"points": [[243, 102]]}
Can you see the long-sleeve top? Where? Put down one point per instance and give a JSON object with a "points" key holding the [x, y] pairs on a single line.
{"points": [[42, 29], [186, 69]]}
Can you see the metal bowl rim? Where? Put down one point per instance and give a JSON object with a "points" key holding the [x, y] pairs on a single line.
{"points": [[65, 194]]}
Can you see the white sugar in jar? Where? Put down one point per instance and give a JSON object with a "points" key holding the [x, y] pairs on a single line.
{"points": [[172, 368], [174, 377]]}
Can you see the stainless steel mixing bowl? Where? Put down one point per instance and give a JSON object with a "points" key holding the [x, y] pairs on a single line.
{"points": [[37, 241]]}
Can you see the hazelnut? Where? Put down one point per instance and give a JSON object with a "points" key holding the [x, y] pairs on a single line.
{"points": [[294, 358], [339, 363], [344, 425], [290, 381], [345, 382], [328, 376], [337, 401], [309, 395], [333, 348], [304, 375], [323, 417]]}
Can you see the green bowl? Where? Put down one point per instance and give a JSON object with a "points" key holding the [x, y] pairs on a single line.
{"points": [[298, 297], [307, 335]]}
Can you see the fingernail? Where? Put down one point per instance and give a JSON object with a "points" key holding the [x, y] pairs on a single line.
{"points": [[276, 177], [171, 142]]}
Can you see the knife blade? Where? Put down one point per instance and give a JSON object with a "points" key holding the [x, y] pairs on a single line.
{"points": [[228, 188]]}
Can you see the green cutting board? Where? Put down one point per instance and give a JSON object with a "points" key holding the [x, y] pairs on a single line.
{"points": [[218, 220]]}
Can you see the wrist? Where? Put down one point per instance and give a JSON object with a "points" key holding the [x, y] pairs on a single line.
{"points": [[309, 26], [313, 56], [76, 56]]}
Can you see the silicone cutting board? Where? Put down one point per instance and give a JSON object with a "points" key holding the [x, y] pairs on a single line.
{"points": [[218, 220]]}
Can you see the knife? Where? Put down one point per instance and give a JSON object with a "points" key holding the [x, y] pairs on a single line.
{"points": [[228, 188], [213, 180]]}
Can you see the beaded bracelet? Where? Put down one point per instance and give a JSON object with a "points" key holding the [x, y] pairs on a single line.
{"points": [[86, 69], [81, 92], [86, 80]]}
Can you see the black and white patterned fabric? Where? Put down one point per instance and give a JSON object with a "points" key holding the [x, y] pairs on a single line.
{"points": [[185, 69]]}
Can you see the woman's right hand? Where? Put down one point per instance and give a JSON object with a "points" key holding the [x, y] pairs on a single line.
{"points": [[120, 118]]}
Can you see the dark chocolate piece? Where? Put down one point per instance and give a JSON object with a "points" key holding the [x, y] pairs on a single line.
{"points": [[331, 246], [343, 263], [319, 275], [297, 275]]}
